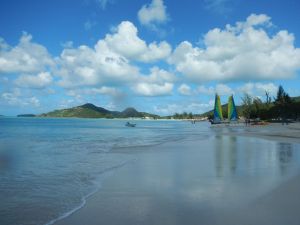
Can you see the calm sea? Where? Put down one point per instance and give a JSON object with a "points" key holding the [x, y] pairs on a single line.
{"points": [[48, 167]]}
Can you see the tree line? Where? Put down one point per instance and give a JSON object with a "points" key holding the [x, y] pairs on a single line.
{"points": [[281, 107]]}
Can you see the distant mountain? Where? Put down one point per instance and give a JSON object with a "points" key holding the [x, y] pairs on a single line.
{"points": [[26, 115], [89, 110]]}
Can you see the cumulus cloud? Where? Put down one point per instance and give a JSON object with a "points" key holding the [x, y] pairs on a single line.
{"points": [[85, 66], [156, 51], [41, 80], [158, 83], [104, 90], [243, 51], [26, 57], [15, 98], [153, 13], [184, 89], [194, 107], [110, 61], [152, 89], [126, 42], [220, 89], [258, 89]]}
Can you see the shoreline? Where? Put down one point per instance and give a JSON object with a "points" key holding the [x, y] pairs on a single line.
{"points": [[272, 131], [124, 196]]}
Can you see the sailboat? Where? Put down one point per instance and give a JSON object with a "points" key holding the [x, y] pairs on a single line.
{"points": [[232, 113], [218, 116]]}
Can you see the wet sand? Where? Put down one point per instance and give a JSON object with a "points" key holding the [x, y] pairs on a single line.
{"points": [[164, 187], [273, 131]]}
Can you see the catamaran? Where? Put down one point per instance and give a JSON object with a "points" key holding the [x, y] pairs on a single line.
{"points": [[232, 113], [218, 116]]}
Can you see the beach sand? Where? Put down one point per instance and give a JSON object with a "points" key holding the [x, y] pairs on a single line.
{"points": [[164, 187]]}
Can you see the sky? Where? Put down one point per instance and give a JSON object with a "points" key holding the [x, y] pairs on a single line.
{"points": [[159, 56]]}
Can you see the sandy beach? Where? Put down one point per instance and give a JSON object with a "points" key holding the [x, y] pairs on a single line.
{"points": [[172, 184]]}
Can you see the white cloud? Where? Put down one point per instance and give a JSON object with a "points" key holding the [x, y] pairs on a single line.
{"points": [[3, 45], [258, 89], [110, 61], [26, 57], [184, 89], [206, 90], [260, 19], [126, 42], [41, 80], [15, 98], [221, 89], [104, 90], [194, 107], [159, 82], [86, 66], [154, 13], [244, 51], [156, 51], [34, 101], [149, 89]]}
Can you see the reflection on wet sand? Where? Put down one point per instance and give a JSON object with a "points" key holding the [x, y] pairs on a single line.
{"points": [[285, 155], [233, 154], [226, 154]]}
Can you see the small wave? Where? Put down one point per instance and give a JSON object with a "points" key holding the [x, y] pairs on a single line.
{"points": [[84, 198], [83, 202]]}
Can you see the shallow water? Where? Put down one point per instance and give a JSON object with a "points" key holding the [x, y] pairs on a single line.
{"points": [[49, 166]]}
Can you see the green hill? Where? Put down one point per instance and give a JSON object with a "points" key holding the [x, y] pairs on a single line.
{"points": [[89, 110]]}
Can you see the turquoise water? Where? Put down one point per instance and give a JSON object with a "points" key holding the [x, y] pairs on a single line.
{"points": [[48, 167]]}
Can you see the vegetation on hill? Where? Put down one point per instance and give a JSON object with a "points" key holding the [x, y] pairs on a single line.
{"points": [[91, 111], [282, 107]]}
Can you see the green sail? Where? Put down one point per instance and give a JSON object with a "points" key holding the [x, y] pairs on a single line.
{"points": [[218, 116], [232, 113]]}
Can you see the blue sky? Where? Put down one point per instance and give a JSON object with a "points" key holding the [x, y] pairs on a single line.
{"points": [[160, 56]]}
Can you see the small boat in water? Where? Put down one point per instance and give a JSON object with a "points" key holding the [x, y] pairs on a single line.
{"points": [[130, 124]]}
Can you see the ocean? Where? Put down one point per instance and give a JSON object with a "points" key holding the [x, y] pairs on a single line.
{"points": [[49, 167]]}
